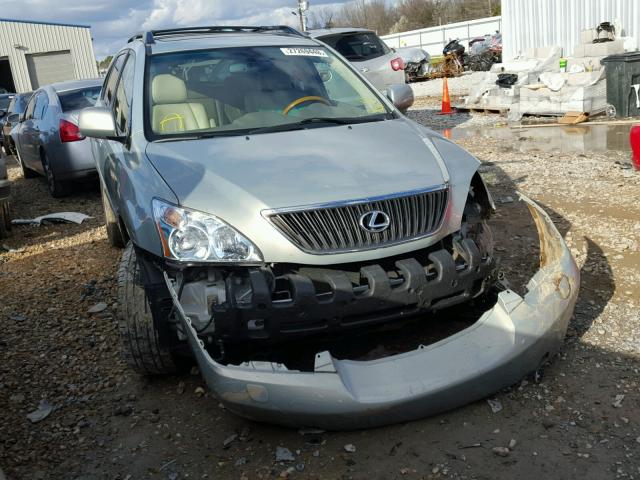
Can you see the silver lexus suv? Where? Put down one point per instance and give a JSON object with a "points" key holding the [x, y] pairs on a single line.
{"points": [[265, 193]]}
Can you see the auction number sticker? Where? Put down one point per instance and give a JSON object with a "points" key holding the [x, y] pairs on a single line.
{"points": [[304, 52]]}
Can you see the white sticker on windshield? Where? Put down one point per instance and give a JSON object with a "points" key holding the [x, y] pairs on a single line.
{"points": [[304, 52]]}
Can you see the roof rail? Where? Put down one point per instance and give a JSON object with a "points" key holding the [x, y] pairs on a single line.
{"points": [[149, 36]]}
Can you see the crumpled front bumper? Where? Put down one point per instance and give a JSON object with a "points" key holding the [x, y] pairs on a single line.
{"points": [[509, 341]]}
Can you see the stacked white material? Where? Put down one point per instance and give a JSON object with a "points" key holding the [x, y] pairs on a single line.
{"points": [[488, 95], [580, 92], [542, 89]]}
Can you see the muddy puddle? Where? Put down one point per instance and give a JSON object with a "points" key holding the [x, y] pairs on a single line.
{"points": [[565, 139]]}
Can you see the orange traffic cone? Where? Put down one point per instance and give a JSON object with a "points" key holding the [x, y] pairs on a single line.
{"points": [[446, 101]]}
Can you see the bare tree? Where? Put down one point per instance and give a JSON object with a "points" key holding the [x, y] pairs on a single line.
{"points": [[384, 17], [322, 18]]}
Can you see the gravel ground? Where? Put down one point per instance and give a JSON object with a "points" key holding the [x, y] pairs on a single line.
{"points": [[581, 421], [426, 110], [458, 86]]}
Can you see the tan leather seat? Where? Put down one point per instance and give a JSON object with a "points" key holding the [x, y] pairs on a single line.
{"points": [[171, 111]]}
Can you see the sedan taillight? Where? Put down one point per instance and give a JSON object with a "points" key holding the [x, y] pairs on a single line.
{"points": [[397, 64], [69, 132]]}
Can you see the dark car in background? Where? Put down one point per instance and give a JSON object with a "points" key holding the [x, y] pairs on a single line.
{"points": [[381, 65], [5, 100], [16, 108], [48, 140]]}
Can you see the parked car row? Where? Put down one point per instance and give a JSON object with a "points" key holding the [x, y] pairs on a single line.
{"points": [[41, 130]]}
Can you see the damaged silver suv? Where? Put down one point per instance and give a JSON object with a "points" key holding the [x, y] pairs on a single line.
{"points": [[266, 193]]}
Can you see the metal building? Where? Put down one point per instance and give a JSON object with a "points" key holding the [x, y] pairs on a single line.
{"points": [[33, 54], [538, 23]]}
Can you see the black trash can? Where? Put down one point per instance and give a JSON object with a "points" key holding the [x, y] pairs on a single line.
{"points": [[623, 73]]}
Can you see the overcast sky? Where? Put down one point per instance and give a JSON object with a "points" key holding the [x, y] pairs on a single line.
{"points": [[113, 21]]}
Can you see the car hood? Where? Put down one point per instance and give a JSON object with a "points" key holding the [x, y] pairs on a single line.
{"points": [[301, 167]]}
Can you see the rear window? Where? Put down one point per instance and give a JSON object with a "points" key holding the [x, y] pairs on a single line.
{"points": [[79, 99], [357, 46]]}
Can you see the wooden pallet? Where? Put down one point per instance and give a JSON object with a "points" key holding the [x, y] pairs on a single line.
{"points": [[465, 108]]}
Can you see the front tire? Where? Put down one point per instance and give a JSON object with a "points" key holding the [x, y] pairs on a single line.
{"points": [[114, 234], [141, 346]]}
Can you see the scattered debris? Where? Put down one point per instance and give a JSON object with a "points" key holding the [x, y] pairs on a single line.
{"points": [[229, 440], [98, 307], [16, 317], [471, 445], [350, 448], [617, 401], [501, 451], [241, 461], [512, 444], [61, 217], [507, 199], [287, 473], [43, 411], [199, 391], [283, 454], [170, 462], [495, 404]]}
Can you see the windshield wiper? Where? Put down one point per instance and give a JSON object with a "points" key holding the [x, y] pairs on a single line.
{"points": [[281, 127], [319, 121]]}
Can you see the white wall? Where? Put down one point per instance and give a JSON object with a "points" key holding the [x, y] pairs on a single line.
{"points": [[433, 39], [540, 23], [18, 39]]}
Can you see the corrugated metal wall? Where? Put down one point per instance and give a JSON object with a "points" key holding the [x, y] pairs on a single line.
{"points": [[18, 39], [434, 39], [540, 23]]}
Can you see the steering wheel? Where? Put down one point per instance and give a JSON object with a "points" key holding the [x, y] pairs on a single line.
{"points": [[298, 101]]}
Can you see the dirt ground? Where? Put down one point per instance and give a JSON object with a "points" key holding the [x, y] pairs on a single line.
{"points": [[581, 421]]}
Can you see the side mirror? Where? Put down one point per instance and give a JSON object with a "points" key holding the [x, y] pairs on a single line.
{"points": [[401, 96], [98, 122], [13, 118]]}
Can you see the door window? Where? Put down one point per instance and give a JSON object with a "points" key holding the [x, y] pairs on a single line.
{"points": [[109, 89], [42, 99], [29, 111], [124, 95]]}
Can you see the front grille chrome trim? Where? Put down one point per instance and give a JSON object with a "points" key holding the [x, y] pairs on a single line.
{"points": [[331, 228]]}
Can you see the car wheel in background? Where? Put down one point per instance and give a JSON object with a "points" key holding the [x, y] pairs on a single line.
{"points": [[26, 172], [114, 234], [140, 339], [56, 188], [5, 219]]}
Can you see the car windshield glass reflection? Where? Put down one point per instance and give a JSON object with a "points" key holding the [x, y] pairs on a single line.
{"points": [[236, 90]]}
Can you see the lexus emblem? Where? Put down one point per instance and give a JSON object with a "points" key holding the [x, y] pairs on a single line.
{"points": [[375, 221]]}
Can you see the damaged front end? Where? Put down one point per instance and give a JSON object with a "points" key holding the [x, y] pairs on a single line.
{"points": [[506, 343]]}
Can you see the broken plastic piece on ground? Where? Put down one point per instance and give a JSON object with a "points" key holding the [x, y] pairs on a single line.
{"points": [[43, 411], [506, 343], [60, 217]]}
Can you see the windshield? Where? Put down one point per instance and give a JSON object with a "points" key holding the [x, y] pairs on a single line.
{"points": [[239, 90], [79, 99], [357, 46]]}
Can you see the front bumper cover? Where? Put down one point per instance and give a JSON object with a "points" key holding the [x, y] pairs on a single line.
{"points": [[509, 341]]}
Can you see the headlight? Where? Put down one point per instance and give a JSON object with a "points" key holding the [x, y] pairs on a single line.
{"points": [[191, 236]]}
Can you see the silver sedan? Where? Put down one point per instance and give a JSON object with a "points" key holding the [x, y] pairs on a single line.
{"points": [[381, 65], [48, 140]]}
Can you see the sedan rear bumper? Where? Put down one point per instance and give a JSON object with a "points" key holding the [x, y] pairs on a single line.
{"points": [[509, 341]]}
